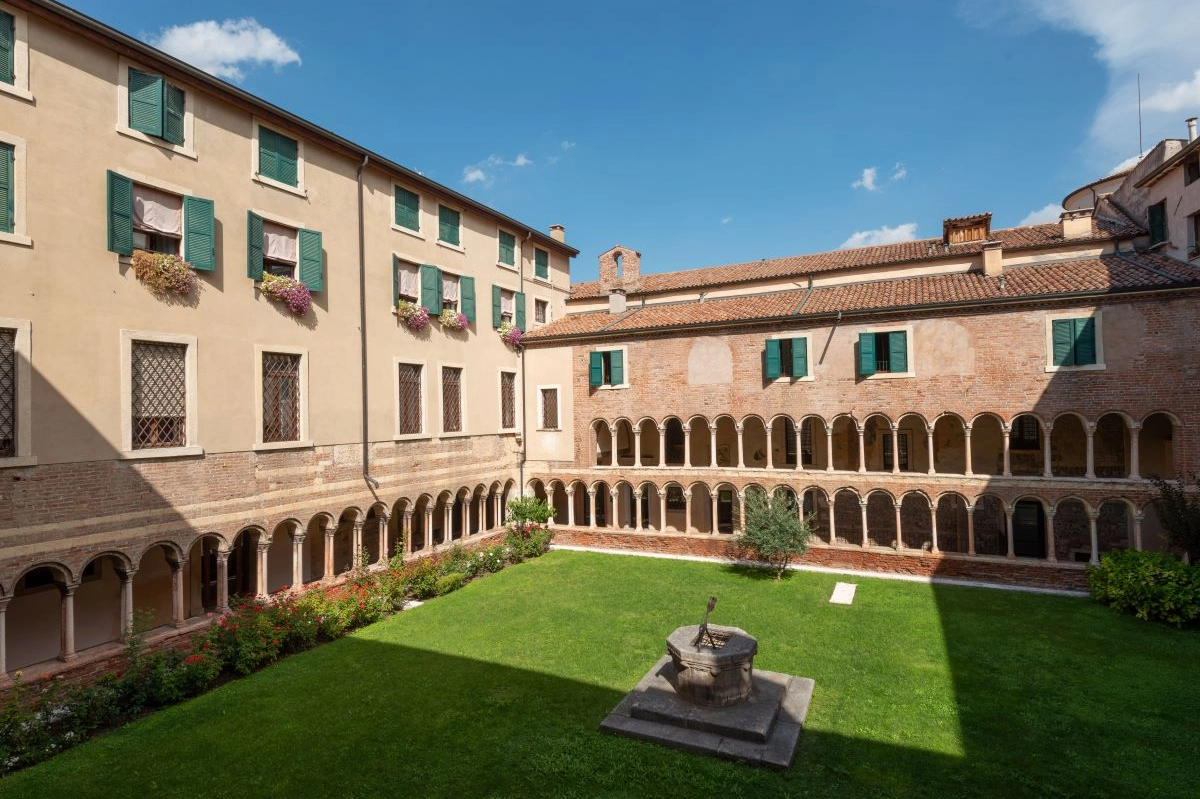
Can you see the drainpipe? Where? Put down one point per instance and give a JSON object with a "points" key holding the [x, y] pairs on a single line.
{"points": [[521, 359], [362, 325]]}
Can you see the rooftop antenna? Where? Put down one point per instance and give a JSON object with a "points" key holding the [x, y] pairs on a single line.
{"points": [[1139, 82]]}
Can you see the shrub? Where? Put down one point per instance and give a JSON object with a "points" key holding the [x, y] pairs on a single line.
{"points": [[449, 582], [1179, 510], [1154, 586], [528, 536], [774, 530]]}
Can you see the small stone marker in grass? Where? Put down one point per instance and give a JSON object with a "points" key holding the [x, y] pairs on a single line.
{"points": [[843, 594]]}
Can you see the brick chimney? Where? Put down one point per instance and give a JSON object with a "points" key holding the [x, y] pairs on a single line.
{"points": [[1076, 224], [558, 233]]}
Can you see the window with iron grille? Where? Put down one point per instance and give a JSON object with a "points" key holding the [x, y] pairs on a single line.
{"points": [[159, 395], [410, 399], [508, 400], [539, 311], [8, 393], [451, 399], [281, 397], [1026, 433], [549, 408]]}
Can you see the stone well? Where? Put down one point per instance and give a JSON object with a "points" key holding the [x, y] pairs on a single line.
{"points": [[717, 671]]}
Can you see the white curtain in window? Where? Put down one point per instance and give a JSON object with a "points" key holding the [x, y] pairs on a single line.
{"points": [[450, 288], [157, 210], [279, 242], [506, 302], [409, 282]]}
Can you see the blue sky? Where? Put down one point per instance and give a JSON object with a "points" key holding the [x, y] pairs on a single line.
{"points": [[703, 133]]}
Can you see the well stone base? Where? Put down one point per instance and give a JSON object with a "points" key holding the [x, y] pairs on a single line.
{"points": [[762, 730]]}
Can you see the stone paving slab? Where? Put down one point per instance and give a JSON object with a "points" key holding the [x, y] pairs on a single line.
{"points": [[843, 594], [764, 730]]}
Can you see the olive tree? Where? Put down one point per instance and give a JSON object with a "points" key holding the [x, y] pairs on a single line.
{"points": [[774, 530]]}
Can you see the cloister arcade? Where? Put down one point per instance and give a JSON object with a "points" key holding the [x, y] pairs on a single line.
{"points": [[1113, 446], [56, 610]]}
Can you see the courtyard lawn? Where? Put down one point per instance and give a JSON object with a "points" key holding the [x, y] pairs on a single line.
{"points": [[497, 691]]}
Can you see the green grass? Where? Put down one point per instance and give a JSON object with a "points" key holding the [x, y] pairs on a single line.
{"points": [[497, 691]]}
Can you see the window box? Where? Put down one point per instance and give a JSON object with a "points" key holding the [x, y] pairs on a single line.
{"points": [[289, 291], [288, 261], [164, 274], [444, 291]]}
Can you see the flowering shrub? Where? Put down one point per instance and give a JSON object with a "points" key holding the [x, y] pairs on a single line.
{"points": [[510, 334], [528, 533], [163, 273], [291, 292], [415, 317], [453, 320]]}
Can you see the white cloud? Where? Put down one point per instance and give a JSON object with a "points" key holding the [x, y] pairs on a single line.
{"points": [[867, 181], [1184, 96], [223, 48], [521, 160], [1128, 163], [898, 171], [473, 174], [566, 145], [881, 235], [725, 220], [1049, 213]]}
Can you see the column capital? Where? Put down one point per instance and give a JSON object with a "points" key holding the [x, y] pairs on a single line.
{"points": [[383, 517], [126, 574], [1090, 428], [899, 505], [687, 494], [298, 538], [358, 525], [570, 492], [967, 429], [862, 503], [263, 546], [591, 492], [1138, 515], [67, 589], [612, 492], [637, 493], [408, 514]]}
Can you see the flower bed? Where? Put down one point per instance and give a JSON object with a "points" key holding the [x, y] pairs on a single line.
{"points": [[294, 294], [415, 317], [453, 320], [163, 273]]}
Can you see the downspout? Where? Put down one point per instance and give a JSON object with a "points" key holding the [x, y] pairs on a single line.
{"points": [[362, 325], [521, 359]]}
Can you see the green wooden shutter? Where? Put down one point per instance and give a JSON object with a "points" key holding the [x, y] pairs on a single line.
{"points": [[431, 288], [898, 351], [772, 365], [7, 188], [199, 227], [541, 264], [866, 354], [466, 297], [1158, 222], [278, 156], [448, 224], [519, 313], [508, 247], [616, 367], [1064, 342], [146, 102], [7, 46], [254, 246], [312, 260], [172, 114], [799, 357], [1085, 341], [595, 369], [120, 214], [408, 209], [395, 280], [497, 298]]}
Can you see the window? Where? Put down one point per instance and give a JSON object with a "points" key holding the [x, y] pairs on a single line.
{"points": [[1193, 236], [785, 356], [806, 442], [508, 249], [409, 400], [278, 157], [606, 368], [142, 217], [1191, 169], [1073, 342], [408, 209], [14, 53], [159, 392], [508, 307], [508, 400], [1026, 433], [15, 405], [541, 312], [441, 291], [155, 107], [8, 162], [883, 353], [406, 281], [902, 439], [452, 415], [541, 264], [548, 407], [284, 250], [280, 397], [449, 226], [1157, 216]]}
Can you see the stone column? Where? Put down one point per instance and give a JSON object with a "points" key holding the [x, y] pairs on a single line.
{"points": [[712, 446], [465, 515], [331, 528], [1092, 517], [178, 616], [862, 450], [297, 560], [357, 542], [592, 508], [715, 497], [970, 529], [899, 533], [1051, 555], [687, 447], [1134, 452], [637, 509], [126, 576], [222, 580], [1091, 453], [662, 509], [448, 522], [616, 510], [1008, 527], [1137, 529], [862, 507], [66, 648], [637, 446], [429, 527], [481, 510], [929, 449], [662, 445], [4, 678], [933, 547], [406, 531], [828, 448], [741, 495], [741, 458], [383, 525], [1006, 431], [832, 525], [1047, 469], [896, 456], [687, 511], [967, 449], [771, 446], [261, 561], [570, 507]]}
